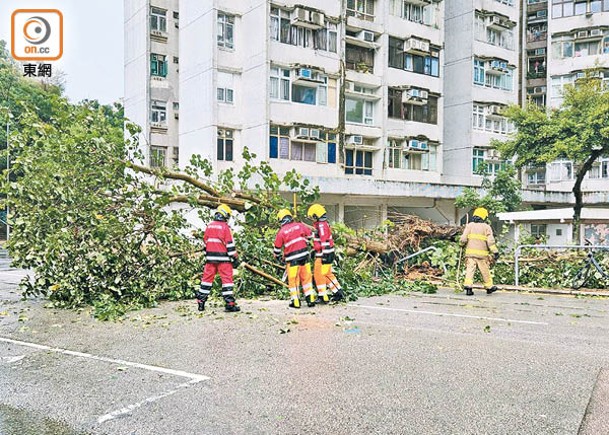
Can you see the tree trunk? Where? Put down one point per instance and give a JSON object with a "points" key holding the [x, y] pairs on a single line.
{"points": [[577, 192]]}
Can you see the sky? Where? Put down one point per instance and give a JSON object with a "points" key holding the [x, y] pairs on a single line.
{"points": [[93, 44]]}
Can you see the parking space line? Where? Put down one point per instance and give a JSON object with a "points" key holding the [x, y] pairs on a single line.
{"points": [[110, 360], [435, 313], [127, 409], [194, 378]]}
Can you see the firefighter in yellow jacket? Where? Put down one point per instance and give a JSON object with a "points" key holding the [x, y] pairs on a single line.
{"points": [[480, 245]]}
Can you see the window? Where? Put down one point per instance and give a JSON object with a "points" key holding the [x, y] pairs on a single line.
{"points": [[157, 156], [280, 83], [358, 162], [477, 159], [320, 150], [225, 95], [421, 64], [478, 72], [158, 19], [283, 31], [568, 8], [561, 170], [158, 112], [225, 144], [536, 176], [418, 111], [359, 58], [158, 65], [413, 11], [538, 230], [537, 32], [310, 92], [558, 86], [226, 24], [176, 59], [359, 111], [395, 153], [483, 119], [362, 9], [490, 35], [399, 157]]}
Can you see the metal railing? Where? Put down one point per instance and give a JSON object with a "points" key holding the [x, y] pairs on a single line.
{"points": [[548, 247]]}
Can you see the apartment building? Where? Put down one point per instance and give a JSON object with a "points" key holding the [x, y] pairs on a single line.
{"points": [[348, 93], [151, 76], [387, 105], [481, 78], [564, 38]]}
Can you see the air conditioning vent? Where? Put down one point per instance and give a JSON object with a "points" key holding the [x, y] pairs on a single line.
{"points": [[366, 35], [416, 45], [355, 140]]}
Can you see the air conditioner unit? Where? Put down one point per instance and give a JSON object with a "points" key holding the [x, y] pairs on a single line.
{"points": [[349, 86], [596, 32], [302, 133], [318, 18], [300, 14], [582, 34], [355, 140], [499, 65], [540, 51], [496, 20], [414, 144], [414, 44], [304, 73], [366, 35], [493, 155], [580, 75], [314, 133], [494, 109], [542, 13], [539, 89]]}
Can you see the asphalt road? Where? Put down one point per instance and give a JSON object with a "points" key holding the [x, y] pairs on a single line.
{"points": [[419, 364]]}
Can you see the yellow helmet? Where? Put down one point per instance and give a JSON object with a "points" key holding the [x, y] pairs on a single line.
{"points": [[481, 212], [316, 211], [283, 213], [224, 210]]}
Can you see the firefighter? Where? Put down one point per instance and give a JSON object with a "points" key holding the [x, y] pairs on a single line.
{"points": [[221, 257], [294, 237], [480, 243], [323, 246]]}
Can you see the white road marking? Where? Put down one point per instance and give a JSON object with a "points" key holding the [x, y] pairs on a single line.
{"points": [[111, 360], [194, 378], [435, 313], [12, 359], [127, 409]]}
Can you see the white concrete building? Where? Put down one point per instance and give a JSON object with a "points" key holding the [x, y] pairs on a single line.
{"points": [[151, 76], [349, 93], [565, 38], [482, 57], [385, 104]]}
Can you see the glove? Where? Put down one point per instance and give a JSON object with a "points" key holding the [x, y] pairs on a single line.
{"points": [[236, 262], [496, 256]]}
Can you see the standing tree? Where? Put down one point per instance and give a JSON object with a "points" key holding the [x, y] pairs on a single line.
{"points": [[578, 131]]}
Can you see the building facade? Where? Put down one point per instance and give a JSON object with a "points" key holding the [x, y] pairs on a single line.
{"points": [[387, 105], [563, 39]]}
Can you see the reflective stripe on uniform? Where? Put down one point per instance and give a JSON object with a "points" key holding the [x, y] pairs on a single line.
{"points": [[477, 237], [296, 240], [296, 256], [476, 251], [215, 240]]}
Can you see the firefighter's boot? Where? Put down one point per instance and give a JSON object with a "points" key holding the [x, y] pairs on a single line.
{"points": [[231, 306], [295, 303], [311, 300], [469, 291], [491, 290], [323, 299], [201, 299], [338, 296]]}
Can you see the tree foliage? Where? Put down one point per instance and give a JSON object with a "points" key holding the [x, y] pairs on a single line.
{"points": [[499, 194], [577, 131]]}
